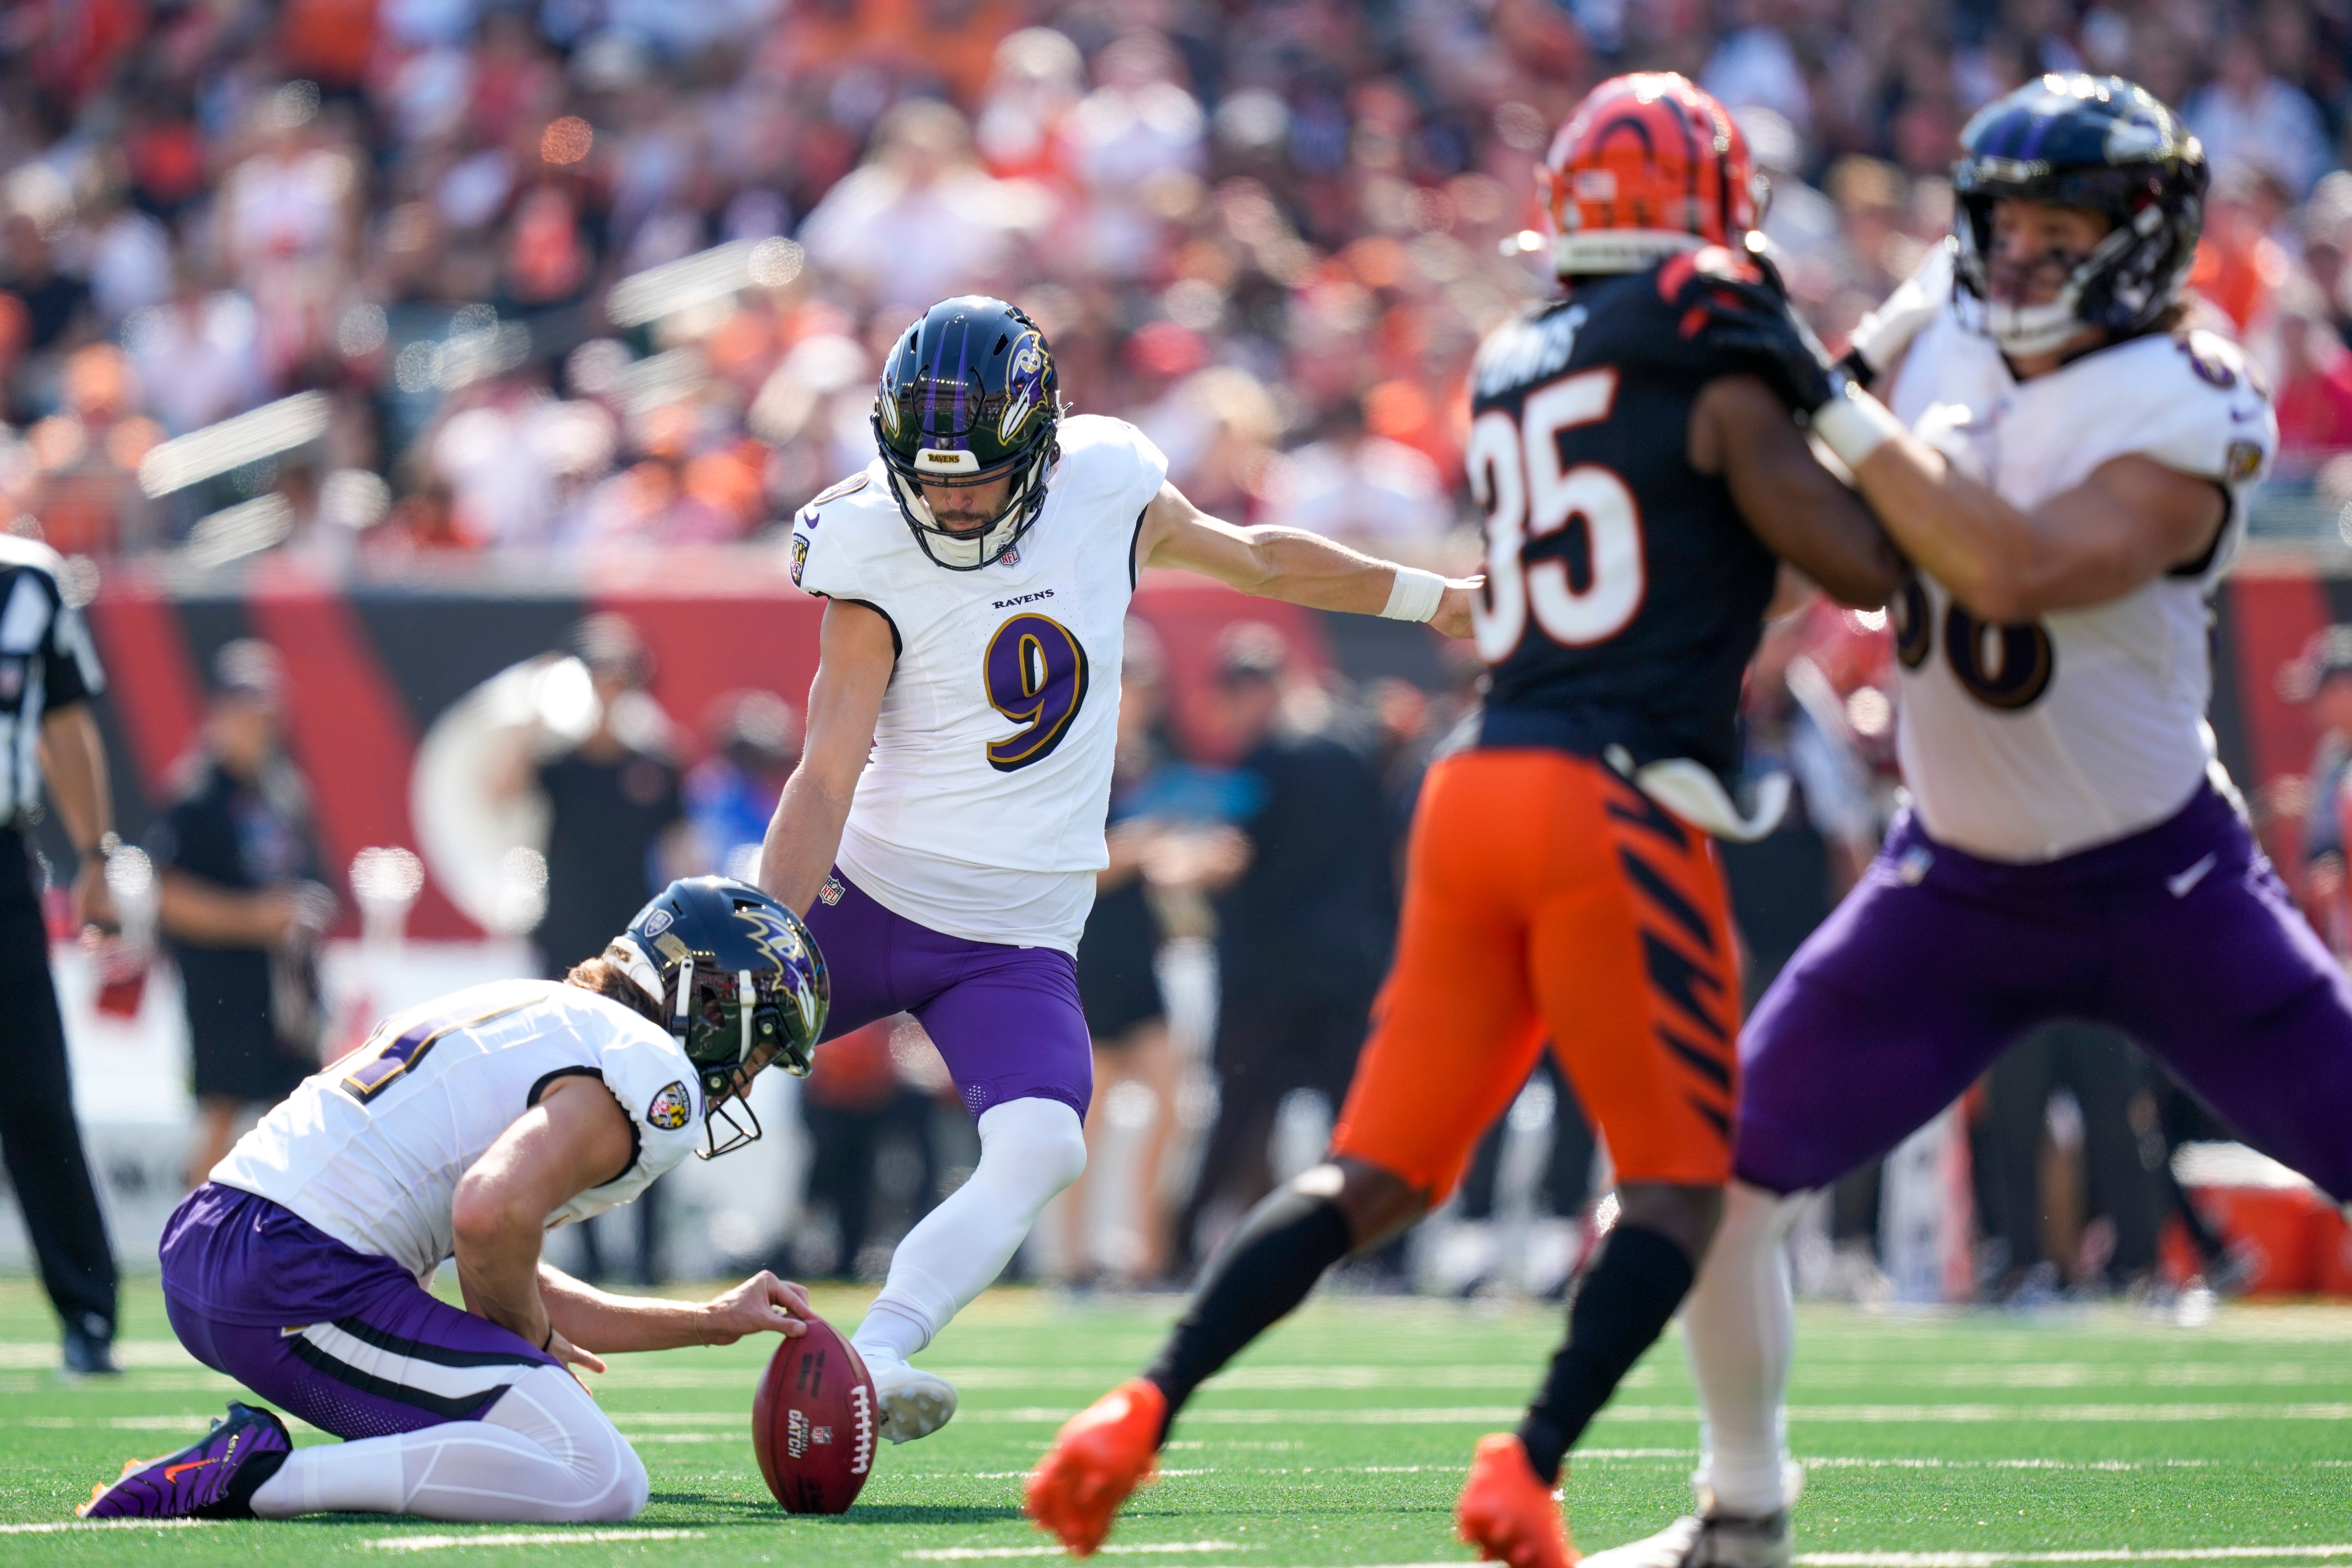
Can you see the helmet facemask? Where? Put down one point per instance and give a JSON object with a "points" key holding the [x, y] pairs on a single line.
{"points": [[2098, 145], [956, 468], [725, 1022], [969, 397]]}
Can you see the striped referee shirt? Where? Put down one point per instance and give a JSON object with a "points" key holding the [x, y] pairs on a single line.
{"points": [[47, 661]]}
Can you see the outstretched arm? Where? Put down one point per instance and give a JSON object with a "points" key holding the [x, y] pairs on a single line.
{"points": [[856, 650], [576, 1138], [2132, 520], [1288, 563]]}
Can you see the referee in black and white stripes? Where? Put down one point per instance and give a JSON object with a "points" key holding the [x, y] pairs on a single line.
{"points": [[48, 673]]}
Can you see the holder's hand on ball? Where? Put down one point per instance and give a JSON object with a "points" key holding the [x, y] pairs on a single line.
{"points": [[763, 1304]]}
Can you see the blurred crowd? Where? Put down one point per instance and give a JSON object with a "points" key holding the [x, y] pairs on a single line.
{"points": [[578, 274]]}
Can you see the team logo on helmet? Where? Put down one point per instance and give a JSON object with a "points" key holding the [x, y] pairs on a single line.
{"points": [[1026, 393], [669, 1109], [771, 935], [885, 407]]}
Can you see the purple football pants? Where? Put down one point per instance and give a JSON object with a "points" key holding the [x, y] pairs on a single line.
{"points": [[2181, 936], [349, 1343], [1006, 1019]]}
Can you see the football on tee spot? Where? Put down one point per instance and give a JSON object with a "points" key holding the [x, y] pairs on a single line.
{"points": [[813, 1422]]}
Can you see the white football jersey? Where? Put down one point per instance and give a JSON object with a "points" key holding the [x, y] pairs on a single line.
{"points": [[370, 1149], [2027, 743], [980, 811]]}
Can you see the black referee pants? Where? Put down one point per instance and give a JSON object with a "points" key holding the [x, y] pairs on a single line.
{"points": [[39, 1140]]}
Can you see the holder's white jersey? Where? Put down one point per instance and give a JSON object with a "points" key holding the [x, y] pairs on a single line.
{"points": [[370, 1149], [980, 812], [2029, 742]]}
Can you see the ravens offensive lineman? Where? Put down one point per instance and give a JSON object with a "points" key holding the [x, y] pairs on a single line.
{"points": [[1561, 883], [465, 1128], [944, 826], [2068, 463]]}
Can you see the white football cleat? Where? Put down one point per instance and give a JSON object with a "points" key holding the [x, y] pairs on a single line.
{"points": [[914, 1403], [1711, 1539]]}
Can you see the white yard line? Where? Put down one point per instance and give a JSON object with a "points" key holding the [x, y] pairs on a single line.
{"points": [[2114, 1554], [977, 1554], [1865, 1414], [525, 1537], [54, 1527]]}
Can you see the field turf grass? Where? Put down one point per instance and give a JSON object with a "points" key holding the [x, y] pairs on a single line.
{"points": [[2081, 1436]]}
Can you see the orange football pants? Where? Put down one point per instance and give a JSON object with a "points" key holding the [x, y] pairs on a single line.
{"points": [[1545, 898]]}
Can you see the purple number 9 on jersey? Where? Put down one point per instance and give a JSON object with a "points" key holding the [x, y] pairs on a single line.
{"points": [[1035, 670]]}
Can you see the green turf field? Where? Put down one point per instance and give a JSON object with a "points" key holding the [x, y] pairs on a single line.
{"points": [[2079, 1438]]}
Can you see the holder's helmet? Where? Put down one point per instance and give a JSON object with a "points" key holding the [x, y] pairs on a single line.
{"points": [[969, 395], [1649, 165], [2102, 144], [734, 971]]}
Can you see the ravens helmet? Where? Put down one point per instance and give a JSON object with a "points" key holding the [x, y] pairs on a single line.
{"points": [[2100, 143], [969, 395], [734, 971]]}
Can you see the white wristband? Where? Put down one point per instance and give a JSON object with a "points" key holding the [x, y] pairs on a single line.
{"points": [[1853, 425], [1415, 594]]}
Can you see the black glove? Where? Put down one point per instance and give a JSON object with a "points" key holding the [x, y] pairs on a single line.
{"points": [[1754, 324]]}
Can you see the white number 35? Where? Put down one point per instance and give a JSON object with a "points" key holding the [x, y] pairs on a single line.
{"points": [[1515, 474]]}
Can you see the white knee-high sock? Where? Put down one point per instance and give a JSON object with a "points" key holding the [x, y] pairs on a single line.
{"points": [[1740, 1330], [542, 1454], [1029, 1150]]}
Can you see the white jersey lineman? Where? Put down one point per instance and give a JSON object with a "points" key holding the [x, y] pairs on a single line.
{"points": [[371, 1149], [980, 814], [2034, 742]]}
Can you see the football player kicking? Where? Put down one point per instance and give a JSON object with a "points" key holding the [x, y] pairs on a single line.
{"points": [[944, 826], [467, 1128], [1561, 883], [2068, 465]]}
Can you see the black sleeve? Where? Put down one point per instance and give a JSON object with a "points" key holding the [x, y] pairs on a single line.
{"points": [[69, 658]]}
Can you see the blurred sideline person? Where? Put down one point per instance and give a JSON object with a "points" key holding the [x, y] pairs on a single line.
{"points": [[945, 827], [1303, 929], [240, 902], [615, 827], [1118, 979], [755, 739], [2121, 1147], [1561, 882], [465, 1128], [853, 1104], [48, 673], [2068, 464]]}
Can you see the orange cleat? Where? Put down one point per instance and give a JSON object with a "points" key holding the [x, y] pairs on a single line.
{"points": [[1508, 1513], [1098, 1458]]}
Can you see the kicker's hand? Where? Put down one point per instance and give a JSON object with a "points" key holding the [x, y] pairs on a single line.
{"points": [[763, 1304]]}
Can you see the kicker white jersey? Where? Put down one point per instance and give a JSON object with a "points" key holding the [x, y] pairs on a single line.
{"points": [[370, 1149], [980, 811], [2030, 741]]}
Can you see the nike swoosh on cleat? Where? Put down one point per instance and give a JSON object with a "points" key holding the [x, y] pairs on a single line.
{"points": [[2182, 884], [173, 1472]]}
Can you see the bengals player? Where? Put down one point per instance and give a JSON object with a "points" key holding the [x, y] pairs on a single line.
{"points": [[1641, 486]]}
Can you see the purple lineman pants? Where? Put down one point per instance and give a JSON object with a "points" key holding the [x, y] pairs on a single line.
{"points": [[2181, 936], [1006, 1019], [349, 1343]]}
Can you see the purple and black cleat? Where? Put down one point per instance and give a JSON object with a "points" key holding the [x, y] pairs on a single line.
{"points": [[213, 1478]]}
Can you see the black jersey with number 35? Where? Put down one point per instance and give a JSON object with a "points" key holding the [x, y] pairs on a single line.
{"points": [[1625, 594]]}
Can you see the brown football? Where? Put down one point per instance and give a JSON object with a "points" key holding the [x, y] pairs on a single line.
{"points": [[813, 1421]]}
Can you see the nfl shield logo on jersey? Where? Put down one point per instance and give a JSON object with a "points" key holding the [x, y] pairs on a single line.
{"points": [[670, 1108]]}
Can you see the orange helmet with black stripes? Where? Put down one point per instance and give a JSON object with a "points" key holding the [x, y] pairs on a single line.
{"points": [[1648, 166]]}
